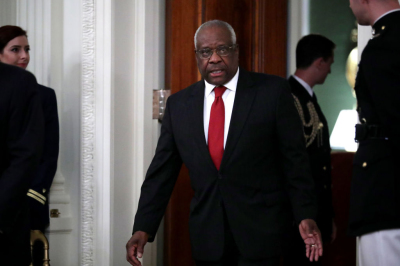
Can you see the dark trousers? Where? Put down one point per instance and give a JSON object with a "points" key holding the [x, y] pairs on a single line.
{"points": [[38, 254], [232, 256], [242, 262], [15, 249]]}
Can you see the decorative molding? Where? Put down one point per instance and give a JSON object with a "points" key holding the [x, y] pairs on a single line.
{"points": [[87, 132]]}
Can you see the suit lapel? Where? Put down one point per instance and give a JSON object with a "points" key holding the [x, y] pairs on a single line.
{"points": [[196, 104], [244, 98]]}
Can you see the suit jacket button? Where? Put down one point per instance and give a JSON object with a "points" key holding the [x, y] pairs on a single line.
{"points": [[325, 186], [219, 176], [324, 168], [364, 164]]}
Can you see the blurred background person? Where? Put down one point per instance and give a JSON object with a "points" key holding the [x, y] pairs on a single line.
{"points": [[14, 50], [314, 57], [375, 197]]}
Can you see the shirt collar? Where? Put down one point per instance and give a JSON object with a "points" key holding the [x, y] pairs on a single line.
{"points": [[391, 11], [231, 85], [305, 85]]}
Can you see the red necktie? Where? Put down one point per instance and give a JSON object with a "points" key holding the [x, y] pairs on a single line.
{"points": [[216, 127]]}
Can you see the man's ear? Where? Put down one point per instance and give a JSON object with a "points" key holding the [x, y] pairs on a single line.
{"points": [[318, 62]]}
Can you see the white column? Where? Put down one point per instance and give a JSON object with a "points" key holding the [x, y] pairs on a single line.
{"points": [[122, 62], [34, 16], [149, 74], [8, 14], [104, 156], [139, 28], [299, 21], [42, 18]]}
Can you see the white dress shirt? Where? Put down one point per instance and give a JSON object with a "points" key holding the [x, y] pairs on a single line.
{"points": [[228, 97], [305, 85]]}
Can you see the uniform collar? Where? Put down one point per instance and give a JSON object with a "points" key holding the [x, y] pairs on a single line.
{"points": [[380, 23], [305, 85]]}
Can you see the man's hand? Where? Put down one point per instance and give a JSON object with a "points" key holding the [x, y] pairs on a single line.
{"points": [[135, 247], [312, 238]]}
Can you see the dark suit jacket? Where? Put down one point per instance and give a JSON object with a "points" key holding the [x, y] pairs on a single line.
{"points": [[319, 153], [375, 197], [21, 139], [264, 170], [43, 177]]}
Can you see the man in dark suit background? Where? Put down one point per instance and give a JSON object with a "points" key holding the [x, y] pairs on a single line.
{"points": [[21, 140], [314, 57], [375, 197], [240, 136]]}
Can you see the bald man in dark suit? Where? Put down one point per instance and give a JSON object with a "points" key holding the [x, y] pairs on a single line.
{"points": [[240, 136]]}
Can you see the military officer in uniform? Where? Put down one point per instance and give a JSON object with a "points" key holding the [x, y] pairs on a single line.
{"points": [[314, 57], [21, 142], [375, 197]]}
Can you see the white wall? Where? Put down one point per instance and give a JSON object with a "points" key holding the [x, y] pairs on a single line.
{"points": [[70, 113], [124, 111], [8, 15], [138, 69]]}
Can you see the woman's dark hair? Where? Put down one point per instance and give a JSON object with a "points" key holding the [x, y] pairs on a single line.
{"points": [[9, 32]]}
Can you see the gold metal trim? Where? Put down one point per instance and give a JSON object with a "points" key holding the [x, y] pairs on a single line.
{"points": [[37, 235], [314, 123], [35, 197], [37, 194]]}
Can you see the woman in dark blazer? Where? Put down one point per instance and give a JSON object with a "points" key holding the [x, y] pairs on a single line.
{"points": [[14, 50]]}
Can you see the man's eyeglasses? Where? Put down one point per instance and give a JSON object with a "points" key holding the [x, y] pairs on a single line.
{"points": [[221, 51]]}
